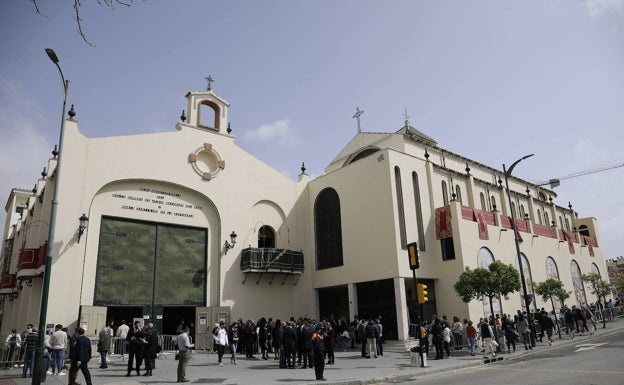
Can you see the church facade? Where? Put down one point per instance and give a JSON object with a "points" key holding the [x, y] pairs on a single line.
{"points": [[186, 224]]}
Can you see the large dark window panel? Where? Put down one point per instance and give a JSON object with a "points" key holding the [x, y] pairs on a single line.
{"points": [[142, 263], [328, 229]]}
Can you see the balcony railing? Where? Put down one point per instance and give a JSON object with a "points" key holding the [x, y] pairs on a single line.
{"points": [[271, 260]]}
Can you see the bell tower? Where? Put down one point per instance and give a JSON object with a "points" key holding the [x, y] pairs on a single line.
{"points": [[207, 110]]}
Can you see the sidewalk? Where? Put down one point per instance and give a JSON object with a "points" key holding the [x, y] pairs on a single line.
{"points": [[350, 367]]}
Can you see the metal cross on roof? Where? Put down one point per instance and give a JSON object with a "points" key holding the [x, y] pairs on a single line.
{"points": [[210, 80], [357, 115], [406, 118]]}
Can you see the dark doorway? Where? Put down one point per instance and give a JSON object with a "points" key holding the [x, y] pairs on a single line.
{"points": [[116, 314], [334, 301], [376, 300], [173, 315]]}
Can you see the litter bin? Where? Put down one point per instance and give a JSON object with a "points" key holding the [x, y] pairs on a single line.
{"points": [[414, 357]]}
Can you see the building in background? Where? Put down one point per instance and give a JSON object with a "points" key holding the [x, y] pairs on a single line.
{"points": [[187, 225]]}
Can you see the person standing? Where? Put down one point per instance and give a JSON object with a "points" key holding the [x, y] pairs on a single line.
{"points": [[318, 347], [471, 334], [458, 333], [371, 334], [568, 317], [547, 325], [329, 343], [184, 354], [58, 341], [104, 346], [122, 334], [13, 344], [233, 339], [135, 348], [81, 354], [510, 336], [487, 334], [523, 328], [221, 340], [149, 349], [289, 345], [29, 355], [380, 338], [446, 339]]}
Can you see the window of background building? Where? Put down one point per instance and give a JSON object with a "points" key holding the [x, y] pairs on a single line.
{"points": [[419, 216], [444, 193], [266, 237], [448, 249], [482, 198], [400, 207], [328, 229]]}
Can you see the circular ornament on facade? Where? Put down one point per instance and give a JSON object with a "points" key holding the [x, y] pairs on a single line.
{"points": [[206, 161]]}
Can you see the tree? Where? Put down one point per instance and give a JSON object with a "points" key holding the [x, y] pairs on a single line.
{"points": [[600, 289], [78, 3], [550, 289], [495, 281]]}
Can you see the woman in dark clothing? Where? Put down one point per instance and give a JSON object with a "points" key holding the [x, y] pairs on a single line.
{"points": [[262, 337], [436, 332], [276, 339], [329, 344], [149, 350]]}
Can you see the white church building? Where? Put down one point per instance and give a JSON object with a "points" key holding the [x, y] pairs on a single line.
{"points": [[186, 224]]}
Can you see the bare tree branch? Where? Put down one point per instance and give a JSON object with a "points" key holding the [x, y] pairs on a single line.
{"points": [[37, 8], [77, 4]]}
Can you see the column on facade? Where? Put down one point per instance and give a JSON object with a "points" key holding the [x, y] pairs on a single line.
{"points": [[353, 304], [402, 313]]}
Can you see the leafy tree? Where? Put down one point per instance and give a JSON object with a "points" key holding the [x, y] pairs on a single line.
{"points": [[562, 295], [497, 280], [600, 289], [550, 289]]}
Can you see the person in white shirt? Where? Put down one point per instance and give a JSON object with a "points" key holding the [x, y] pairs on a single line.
{"points": [[184, 347], [58, 341], [221, 340], [122, 333], [13, 344]]}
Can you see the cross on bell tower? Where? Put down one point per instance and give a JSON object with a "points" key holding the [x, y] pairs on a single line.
{"points": [[210, 80]]}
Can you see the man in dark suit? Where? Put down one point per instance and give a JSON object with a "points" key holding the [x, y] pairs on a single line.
{"points": [[81, 354], [135, 341]]}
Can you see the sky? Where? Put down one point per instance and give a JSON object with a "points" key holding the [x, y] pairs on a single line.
{"points": [[489, 80]]}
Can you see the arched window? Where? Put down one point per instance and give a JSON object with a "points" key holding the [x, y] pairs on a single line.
{"points": [[539, 217], [513, 209], [493, 202], [546, 219], [594, 269], [419, 215], [266, 237], [552, 272], [444, 193], [484, 259], [209, 114], [328, 229], [561, 223], [458, 193], [528, 280], [400, 207], [577, 282], [482, 198], [583, 230], [567, 224], [522, 212]]}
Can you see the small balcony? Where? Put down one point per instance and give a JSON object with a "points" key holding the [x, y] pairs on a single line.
{"points": [[8, 283], [282, 262], [32, 262]]}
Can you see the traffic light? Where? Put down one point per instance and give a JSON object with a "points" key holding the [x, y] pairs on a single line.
{"points": [[412, 253], [422, 293]]}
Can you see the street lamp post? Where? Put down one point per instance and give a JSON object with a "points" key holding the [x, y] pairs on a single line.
{"points": [[40, 369], [517, 241]]}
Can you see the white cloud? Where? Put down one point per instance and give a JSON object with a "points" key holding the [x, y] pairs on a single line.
{"points": [[281, 131], [598, 8]]}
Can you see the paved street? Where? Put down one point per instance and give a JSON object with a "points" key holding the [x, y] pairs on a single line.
{"points": [[350, 368]]}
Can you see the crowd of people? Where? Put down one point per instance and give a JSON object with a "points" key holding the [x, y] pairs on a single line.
{"points": [[444, 336]]}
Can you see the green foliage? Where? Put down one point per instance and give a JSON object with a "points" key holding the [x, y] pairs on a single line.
{"points": [[497, 279], [599, 287], [562, 295], [548, 289]]}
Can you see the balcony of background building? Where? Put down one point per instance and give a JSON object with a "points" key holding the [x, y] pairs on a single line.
{"points": [[8, 283], [273, 262], [31, 262]]}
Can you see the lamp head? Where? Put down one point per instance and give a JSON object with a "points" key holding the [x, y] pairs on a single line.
{"points": [[52, 55]]}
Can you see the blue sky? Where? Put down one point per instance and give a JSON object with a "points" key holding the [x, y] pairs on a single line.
{"points": [[490, 80]]}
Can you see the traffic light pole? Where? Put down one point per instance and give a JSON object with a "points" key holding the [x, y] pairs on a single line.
{"points": [[419, 322], [412, 254]]}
